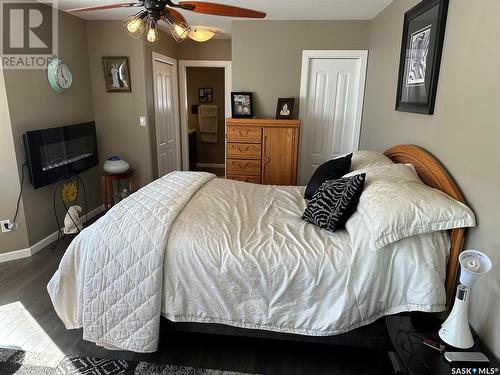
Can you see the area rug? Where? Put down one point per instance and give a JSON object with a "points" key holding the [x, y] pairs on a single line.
{"points": [[19, 362]]}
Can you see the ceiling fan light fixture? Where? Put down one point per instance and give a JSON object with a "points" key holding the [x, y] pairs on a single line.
{"points": [[201, 34], [180, 31], [151, 33], [135, 24]]}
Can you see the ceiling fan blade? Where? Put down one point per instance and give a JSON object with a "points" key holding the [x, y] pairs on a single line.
{"points": [[175, 15], [220, 9], [104, 7]]}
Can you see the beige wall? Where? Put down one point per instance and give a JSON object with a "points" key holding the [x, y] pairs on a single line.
{"points": [[197, 78], [267, 55], [117, 114], [464, 131], [17, 239], [214, 49], [33, 105]]}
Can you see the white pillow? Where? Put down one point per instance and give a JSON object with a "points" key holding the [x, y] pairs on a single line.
{"points": [[368, 159], [396, 204]]}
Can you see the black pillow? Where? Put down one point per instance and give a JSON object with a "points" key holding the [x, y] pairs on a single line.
{"points": [[331, 170], [335, 202]]}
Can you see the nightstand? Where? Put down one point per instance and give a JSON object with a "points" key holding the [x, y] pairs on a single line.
{"points": [[407, 352], [109, 197]]}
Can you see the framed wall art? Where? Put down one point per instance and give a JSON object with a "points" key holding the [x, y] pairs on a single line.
{"points": [[206, 95], [116, 73], [423, 35]]}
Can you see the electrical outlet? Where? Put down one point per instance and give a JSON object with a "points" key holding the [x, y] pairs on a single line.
{"points": [[142, 121], [7, 225]]}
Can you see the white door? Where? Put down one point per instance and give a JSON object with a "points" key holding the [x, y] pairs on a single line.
{"points": [[331, 104], [168, 146]]}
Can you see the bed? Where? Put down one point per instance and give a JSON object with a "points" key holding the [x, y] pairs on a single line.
{"points": [[228, 257]]}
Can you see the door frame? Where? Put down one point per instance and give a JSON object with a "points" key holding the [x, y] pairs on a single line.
{"points": [[183, 65], [307, 56], [155, 56]]}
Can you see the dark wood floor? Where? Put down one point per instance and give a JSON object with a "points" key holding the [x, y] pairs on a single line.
{"points": [[28, 321]]}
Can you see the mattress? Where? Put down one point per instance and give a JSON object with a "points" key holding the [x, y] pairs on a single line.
{"points": [[240, 254]]}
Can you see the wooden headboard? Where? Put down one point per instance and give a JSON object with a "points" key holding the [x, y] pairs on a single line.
{"points": [[433, 174]]}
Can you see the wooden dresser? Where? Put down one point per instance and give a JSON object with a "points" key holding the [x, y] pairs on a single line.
{"points": [[262, 151]]}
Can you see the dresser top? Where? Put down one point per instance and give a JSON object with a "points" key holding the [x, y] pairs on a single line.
{"points": [[263, 122]]}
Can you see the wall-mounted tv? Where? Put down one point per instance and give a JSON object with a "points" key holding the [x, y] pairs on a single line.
{"points": [[57, 153]]}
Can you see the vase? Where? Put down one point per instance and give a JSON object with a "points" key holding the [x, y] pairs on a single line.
{"points": [[115, 165]]}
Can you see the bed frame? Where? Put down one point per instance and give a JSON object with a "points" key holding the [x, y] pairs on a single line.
{"points": [[433, 174]]}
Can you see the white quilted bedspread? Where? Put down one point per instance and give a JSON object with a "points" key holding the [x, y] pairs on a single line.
{"points": [[110, 279]]}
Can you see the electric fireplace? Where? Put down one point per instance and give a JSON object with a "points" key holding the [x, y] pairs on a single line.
{"points": [[57, 153]]}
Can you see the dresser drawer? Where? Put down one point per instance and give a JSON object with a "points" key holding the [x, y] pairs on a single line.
{"points": [[243, 151], [244, 134], [243, 167], [252, 179]]}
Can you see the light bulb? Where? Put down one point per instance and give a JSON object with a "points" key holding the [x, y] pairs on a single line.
{"points": [[180, 31], [135, 24], [151, 37]]}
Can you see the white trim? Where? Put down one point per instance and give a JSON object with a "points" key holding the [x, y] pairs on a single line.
{"points": [[307, 56], [209, 165], [13, 255], [183, 64], [24, 253], [170, 61]]}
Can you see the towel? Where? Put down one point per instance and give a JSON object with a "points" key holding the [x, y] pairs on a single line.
{"points": [[208, 118]]}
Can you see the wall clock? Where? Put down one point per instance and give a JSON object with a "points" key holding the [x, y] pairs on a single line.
{"points": [[59, 75]]}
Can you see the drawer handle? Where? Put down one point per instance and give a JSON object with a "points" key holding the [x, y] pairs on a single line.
{"points": [[246, 132], [243, 167], [240, 148]]}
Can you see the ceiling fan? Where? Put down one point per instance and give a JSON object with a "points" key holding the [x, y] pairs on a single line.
{"points": [[145, 22]]}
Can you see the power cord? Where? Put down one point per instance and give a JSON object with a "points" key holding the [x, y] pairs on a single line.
{"points": [[25, 164], [411, 351]]}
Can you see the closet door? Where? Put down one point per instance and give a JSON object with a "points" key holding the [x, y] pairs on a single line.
{"points": [[279, 156], [331, 104]]}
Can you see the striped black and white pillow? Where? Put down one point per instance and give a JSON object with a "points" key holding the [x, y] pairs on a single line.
{"points": [[334, 202]]}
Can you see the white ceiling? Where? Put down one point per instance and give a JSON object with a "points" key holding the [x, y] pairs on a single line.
{"points": [[275, 9]]}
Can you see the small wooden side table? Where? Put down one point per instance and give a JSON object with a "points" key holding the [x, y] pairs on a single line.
{"points": [[107, 186]]}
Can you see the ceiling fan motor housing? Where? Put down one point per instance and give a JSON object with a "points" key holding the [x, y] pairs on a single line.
{"points": [[154, 8], [154, 5]]}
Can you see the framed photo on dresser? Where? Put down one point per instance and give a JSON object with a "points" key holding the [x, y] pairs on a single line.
{"points": [[242, 104], [423, 35], [284, 110]]}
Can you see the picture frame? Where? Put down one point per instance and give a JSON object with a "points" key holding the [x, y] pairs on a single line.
{"points": [[206, 95], [116, 73], [422, 44], [285, 107], [242, 104]]}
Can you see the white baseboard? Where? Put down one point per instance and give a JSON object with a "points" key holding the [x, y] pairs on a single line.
{"points": [[13, 255], [209, 165], [18, 254]]}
